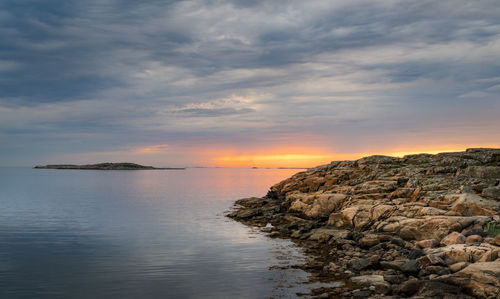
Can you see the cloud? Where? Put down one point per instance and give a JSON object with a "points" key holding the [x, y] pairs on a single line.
{"points": [[118, 74]]}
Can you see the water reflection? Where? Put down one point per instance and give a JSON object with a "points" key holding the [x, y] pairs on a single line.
{"points": [[131, 234]]}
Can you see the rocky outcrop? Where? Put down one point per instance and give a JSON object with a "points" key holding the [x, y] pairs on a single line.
{"points": [[416, 222]]}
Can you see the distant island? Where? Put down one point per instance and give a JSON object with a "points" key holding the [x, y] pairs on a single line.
{"points": [[104, 166]]}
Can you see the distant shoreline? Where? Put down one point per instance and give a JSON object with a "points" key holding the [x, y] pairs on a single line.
{"points": [[106, 166]]}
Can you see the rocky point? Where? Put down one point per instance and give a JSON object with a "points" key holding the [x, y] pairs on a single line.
{"points": [[421, 226]]}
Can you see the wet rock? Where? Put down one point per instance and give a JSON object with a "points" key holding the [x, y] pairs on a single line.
{"points": [[244, 214], [436, 289], [394, 278], [410, 287], [381, 286], [252, 202], [415, 253], [361, 294], [359, 264], [410, 267], [318, 233], [396, 265]]}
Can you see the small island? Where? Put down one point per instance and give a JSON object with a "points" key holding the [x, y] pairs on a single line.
{"points": [[105, 166]]}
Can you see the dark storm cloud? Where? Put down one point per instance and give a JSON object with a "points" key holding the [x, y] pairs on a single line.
{"points": [[167, 68]]}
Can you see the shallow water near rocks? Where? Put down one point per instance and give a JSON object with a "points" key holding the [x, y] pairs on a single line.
{"points": [[139, 234]]}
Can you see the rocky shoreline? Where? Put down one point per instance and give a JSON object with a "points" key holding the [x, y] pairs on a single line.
{"points": [[421, 226]]}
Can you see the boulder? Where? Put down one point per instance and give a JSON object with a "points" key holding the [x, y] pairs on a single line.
{"points": [[473, 239], [462, 252], [430, 259], [483, 172], [429, 243], [496, 240], [480, 279], [475, 231], [458, 266], [492, 192], [251, 202], [410, 287], [381, 286], [368, 241], [453, 238]]}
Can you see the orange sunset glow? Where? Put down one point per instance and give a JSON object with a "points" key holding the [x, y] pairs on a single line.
{"points": [[312, 157]]}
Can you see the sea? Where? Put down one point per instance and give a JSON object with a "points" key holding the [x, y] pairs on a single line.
{"points": [[139, 234]]}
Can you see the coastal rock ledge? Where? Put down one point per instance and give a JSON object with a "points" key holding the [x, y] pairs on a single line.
{"points": [[421, 226]]}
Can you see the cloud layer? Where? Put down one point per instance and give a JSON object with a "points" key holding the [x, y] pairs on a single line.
{"points": [[244, 77]]}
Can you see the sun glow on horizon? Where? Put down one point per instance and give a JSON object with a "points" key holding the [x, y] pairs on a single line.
{"points": [[311, 159]]}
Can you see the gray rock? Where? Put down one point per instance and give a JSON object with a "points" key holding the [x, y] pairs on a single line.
{"points": [[483, 172], [398, 241], [362, 294], [492, 192], [381, 286], [251, 202], [394, 278], [359, 264], [458, 266], [410, 287], [410, 267], [475, 231], [415, 254]]}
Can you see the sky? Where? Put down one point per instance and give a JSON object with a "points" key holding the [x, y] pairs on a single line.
{"points": [[245, 83]]}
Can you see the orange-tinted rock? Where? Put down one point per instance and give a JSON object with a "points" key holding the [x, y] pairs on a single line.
{"points": [[453, 238], [429, 243], [473, 239]]}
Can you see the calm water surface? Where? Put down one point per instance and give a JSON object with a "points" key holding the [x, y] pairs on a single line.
{"points": [[138, 234]]}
